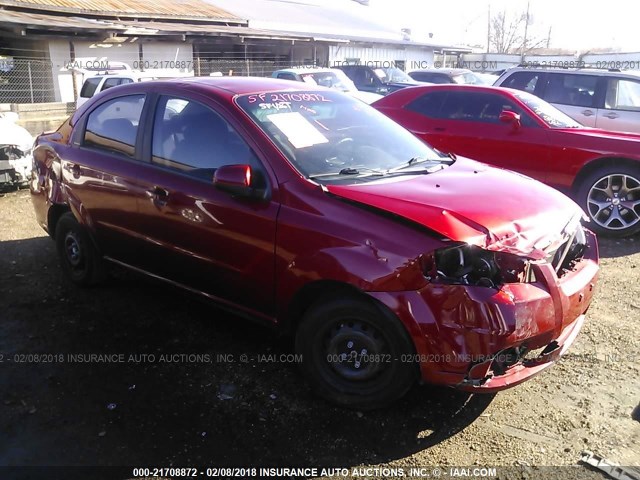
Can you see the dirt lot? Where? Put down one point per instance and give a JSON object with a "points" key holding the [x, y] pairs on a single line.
{"points": [[179, 410]]}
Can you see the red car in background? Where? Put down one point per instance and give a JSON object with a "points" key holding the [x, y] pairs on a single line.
{"points": [[308, 210], [518, 131]]}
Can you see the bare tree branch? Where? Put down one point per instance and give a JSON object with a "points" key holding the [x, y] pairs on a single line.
{"points": [[506, 34]]}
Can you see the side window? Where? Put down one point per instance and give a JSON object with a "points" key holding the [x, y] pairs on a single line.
{"points": [[525, 81], [287, 76], [480, 107], [623, 95], [89, 87], [111, 82], [192, 138], [429, 104], [113, 125], [571, 89], [465, 106]]}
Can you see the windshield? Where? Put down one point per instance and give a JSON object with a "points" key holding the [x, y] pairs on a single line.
{"points": [[334, 79], [331, 137], [393, 74], [547, 112]]}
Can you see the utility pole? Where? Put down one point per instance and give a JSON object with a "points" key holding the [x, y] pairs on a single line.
{"points": [[489, 27], [526, 31], [549, 38]]}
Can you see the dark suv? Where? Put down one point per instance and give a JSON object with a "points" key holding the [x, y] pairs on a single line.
{"points": [[306, 209], [378, 80]]}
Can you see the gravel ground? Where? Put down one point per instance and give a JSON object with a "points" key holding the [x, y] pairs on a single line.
{"points": [[176, 398]]}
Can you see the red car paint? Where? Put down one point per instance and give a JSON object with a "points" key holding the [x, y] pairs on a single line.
{"points": [[274, 257], [555, 156]]}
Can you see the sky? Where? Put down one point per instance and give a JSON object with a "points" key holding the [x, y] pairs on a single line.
{"points": [[575, 25]]}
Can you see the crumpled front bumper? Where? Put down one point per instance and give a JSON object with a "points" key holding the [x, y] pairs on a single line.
{"points": [[16, 172], [477, 338]]}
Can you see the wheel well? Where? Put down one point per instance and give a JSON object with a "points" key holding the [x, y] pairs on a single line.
{"points": [[591, 167], [311, 293], [55, 212]]}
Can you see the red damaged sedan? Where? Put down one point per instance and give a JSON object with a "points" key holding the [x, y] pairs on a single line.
{"points": [[519, 131], [308, 210]]}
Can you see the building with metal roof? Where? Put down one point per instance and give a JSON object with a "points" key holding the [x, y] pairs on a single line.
{"points": [[45, 44]]}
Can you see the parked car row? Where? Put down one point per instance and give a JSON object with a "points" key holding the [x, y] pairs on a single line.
{"points": [[298, 206], [519, 131]]}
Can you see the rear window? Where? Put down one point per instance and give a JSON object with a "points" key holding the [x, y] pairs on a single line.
{"points": [[89, 87]]}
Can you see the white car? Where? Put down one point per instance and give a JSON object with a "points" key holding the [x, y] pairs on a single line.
{"points": [[15, 152], [606, 99], [98, 83], [326, 77]]}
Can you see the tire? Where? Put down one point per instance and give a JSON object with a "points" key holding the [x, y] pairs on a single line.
{"points": [[79, 259], [333, 327], [611, 198]]}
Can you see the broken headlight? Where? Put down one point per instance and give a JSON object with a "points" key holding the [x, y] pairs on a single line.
{"points": [[471, 265], [11, 152]]}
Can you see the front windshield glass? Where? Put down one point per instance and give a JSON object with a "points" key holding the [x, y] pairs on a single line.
{"points": [[331, 137], [547, 112], [393, 74], [331, 79]]}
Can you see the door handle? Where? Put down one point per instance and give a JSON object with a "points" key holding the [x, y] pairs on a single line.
{"points": [[611, 115], [158, 196], [439, 129], [588, 113]]}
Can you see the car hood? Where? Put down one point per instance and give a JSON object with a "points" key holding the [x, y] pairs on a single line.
{"points": [[12, 134], [477, 204], [366, 97]]}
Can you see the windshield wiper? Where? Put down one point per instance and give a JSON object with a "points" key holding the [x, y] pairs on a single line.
{"points": [[350, 171], [411, 162]]}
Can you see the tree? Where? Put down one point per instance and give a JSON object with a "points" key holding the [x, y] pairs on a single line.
{"points": [[509, 33]]}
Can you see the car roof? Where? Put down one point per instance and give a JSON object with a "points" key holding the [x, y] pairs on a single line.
{"points": [[310, 69], [226, 86], [576, 71], [406, 95], [446, 71]]}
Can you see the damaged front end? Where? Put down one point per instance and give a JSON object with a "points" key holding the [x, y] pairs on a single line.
{"points": [[516, 315], [15, 166]]}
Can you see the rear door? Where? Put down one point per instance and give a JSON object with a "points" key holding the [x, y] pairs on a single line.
{"points": [[577, 95], [97, 169], [621, 111]]}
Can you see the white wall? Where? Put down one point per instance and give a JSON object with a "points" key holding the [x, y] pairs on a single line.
{"points": [[382, 57], [169, 59]]}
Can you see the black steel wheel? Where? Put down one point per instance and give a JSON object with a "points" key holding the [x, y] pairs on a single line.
{"points": [[78, 256], [355, 354]]}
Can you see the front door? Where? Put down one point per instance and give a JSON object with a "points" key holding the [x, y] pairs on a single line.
{"points": [[206, 238]]}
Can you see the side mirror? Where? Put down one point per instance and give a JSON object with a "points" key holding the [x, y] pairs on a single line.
{"points": [[235, 179], [507, 116]]}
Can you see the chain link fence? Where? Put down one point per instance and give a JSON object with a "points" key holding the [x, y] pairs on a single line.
{"points": [[254, 67], [25, 80]]}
